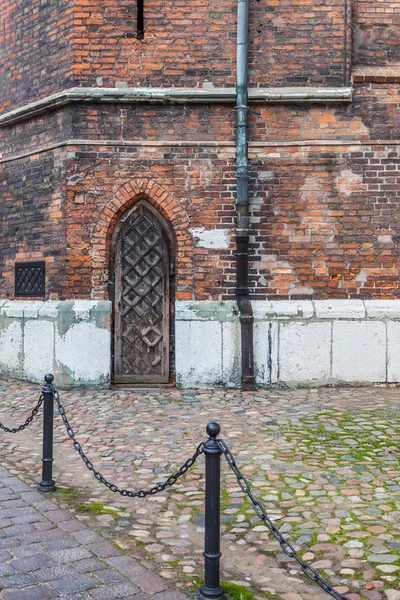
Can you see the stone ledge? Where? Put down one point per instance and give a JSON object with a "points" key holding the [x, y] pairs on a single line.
{"points": [[291, 310], [365, 74], [83, 310], [174, 96]]}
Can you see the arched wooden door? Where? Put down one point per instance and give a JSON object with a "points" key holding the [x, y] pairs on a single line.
{"points": [[142, 297]]}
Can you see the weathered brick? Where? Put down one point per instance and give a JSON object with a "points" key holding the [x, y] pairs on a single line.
{"points": [[323, 178]]}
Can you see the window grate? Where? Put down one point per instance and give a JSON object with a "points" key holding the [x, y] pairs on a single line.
{"points": [[30, 279]]}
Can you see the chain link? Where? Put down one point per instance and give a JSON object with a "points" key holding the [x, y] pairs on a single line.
{"points": [[111, 486], [260, 511], [27, 422]]}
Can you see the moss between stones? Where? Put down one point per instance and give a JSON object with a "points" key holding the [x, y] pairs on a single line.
{"points": [[239, 592], [95, 507]]}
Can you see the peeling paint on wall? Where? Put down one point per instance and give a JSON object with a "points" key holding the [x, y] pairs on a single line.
{"points": [[211, 238], [71, 339]]}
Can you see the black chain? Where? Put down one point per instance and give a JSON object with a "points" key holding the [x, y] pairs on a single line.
{"points": [[27, 422], [260, 511], [111, 486]]}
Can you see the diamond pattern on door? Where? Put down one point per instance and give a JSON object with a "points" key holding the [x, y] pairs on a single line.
{"points": [[142, 303]]}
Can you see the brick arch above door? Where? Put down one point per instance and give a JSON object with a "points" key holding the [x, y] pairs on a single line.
{"points": [[126, 196]]}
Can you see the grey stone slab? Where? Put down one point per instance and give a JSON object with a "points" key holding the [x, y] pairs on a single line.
{"points": [[150, 583], [44, 504], [72, 525], [6, 569], [89, 565], [31, 497], [171, 595], [71, 554], [55, 572], [7, 543], [76, 584], [87, 536], [19, 486], [61, 544], [43, 525], [17, 581], [19, 529], [28, 550], [76, 596], [37, 592], [383, 558], [13, 504], [5, 556], [8, 496], [147, 581], [8, 512], [5, 523], [41, 536], [114, 591], [108, 576], [124, 564], [57, 516], [104, 549], [31, 517], [32, 563]]}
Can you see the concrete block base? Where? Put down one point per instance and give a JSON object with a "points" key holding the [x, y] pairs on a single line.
{"points": [[296, 343], [71, 339]]}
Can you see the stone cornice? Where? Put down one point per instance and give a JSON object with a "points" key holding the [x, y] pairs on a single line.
{"points": [[175, 96]]}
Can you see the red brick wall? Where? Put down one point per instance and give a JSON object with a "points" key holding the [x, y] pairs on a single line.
{"points": [[324, 190], [291, 43], [46, 47], [376, 31], [35, 50], [329, 223], [324, 194], [32, 219]]}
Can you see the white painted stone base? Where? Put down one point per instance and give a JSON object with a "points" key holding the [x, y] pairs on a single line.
{"points": [[71, 339], [308, 343], [296, 343]]}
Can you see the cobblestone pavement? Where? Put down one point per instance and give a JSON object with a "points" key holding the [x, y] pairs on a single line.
{"points": [[327, 460], [45, 554]]}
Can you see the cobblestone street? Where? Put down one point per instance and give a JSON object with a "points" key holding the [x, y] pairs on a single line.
{"points": [[326, 460]]}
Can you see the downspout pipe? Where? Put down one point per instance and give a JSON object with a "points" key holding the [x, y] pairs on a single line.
{"points": [[242, 201]]}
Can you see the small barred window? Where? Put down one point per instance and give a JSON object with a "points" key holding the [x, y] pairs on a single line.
{"points": [[140, 19], [30, 279]]}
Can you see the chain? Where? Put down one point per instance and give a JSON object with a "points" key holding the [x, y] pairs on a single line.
{"points": [[111, 486], [27, 422], [260, 511]]}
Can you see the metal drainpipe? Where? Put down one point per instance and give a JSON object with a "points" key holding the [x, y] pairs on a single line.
{"points": [[242, 203]]}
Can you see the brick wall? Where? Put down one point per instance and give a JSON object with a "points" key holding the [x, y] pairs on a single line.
{"points": [[35, 50], [49, 46], [376, 31], [195, 42], [324, 193], [324, 188], [31, 219], [328, 223]]}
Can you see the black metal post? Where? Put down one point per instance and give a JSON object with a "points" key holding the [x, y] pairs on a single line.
{"points": [[47, 484], [212, 588]]}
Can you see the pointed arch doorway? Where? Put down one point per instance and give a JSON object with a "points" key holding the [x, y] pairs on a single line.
{"points": [[142, 268]]}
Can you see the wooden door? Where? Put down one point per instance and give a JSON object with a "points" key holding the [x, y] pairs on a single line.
{"points": [[141, 312]]}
